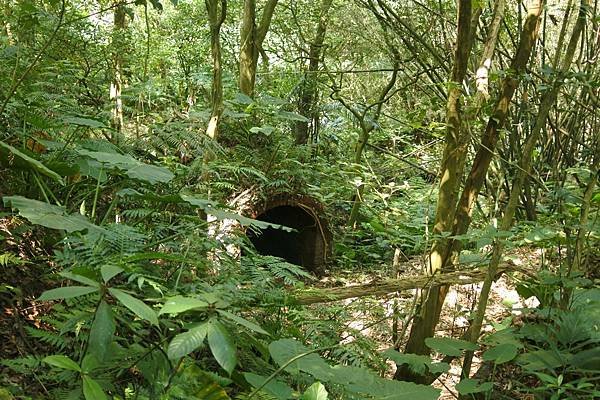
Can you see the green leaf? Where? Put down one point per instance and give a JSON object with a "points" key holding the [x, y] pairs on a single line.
{"points": [[283, 350], [92, 390], [244, 322], [587, 359], [133, 168], [291, 116], [501, 353], [276, 388], [102, 331], [138, 307], [90, 123], [222, 346], [265, 130], [150, 173], [50, 216], [30, 162], [209, 207], [179, 304], [541, 359], [450, 346], [417, 363], [63, 362], [316, 391], [184, 343], [66, 292], [109, 271], [90, 362], [79, 278], [468, 386]]}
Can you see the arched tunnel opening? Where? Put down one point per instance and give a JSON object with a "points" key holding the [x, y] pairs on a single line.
{"points": [[305, 246]]}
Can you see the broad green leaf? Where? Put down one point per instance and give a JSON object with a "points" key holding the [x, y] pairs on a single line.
{"points": [[541, 359], [137, 306], [468, 386], [179, 304], [150, 173], [501, 353], [133, 168], [102, 331], [92, 390], [291, 116], [243, 98], [50, 216], [276, 388], [283, 350], [265, 129], [316, 391], [184, 343], [356, 380], [222, 346], [90, 362], [244, 322], [90, 123], [587, 359], [109, 271], [450, 346], [363, 382], [63, 362], [417, 363], [66, 292], [79, 278], [30, 162]]}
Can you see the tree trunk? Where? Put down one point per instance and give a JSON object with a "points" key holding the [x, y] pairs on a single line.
{"points": [[424, 324], [216, 17], [308, 93], [522, 172], [251, 40], [451, 171], [116, 86]]}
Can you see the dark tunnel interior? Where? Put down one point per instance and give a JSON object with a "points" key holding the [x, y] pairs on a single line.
{"points": [[302, 247]]}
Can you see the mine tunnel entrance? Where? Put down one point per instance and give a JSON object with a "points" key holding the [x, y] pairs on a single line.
{"points": [[305, 246]]}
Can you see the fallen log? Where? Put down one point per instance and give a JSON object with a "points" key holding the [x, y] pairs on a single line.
{"points": [[387, 286]]}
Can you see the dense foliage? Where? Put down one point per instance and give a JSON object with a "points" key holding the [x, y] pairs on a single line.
{"points": [[132, 133]]}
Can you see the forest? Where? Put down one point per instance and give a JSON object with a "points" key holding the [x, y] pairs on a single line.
{"points": [[295, 199]]}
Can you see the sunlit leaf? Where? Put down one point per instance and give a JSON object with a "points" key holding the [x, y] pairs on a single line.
{"points": [[90, 123], [501, 353], [102, 331], [138, 307], [316, 391], [184, 343], [222, 346], [63, 362], [133, 168], [450, 346], [244, 322], [25, 160], [109, 271], [66, 292], [179, 304], [92, 390], [274, 387], [50, 216]]}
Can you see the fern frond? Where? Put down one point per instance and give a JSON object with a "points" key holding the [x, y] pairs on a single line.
{"points": [[53, 339], [7, 259]]}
